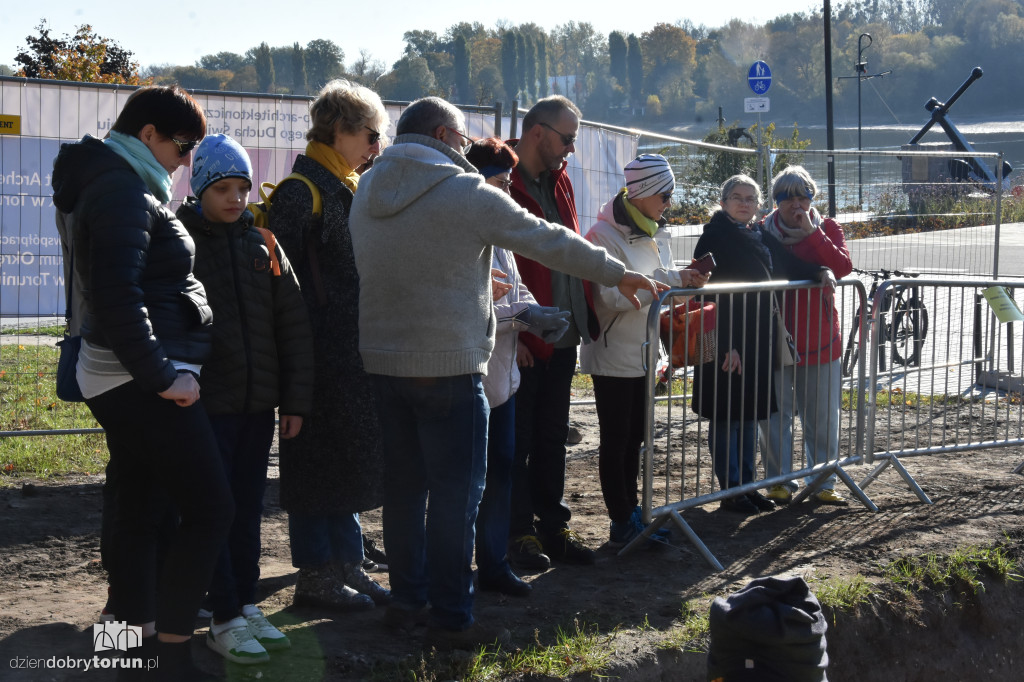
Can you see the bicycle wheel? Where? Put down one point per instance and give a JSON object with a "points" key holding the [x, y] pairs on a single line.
{"points": [[852, 352], [909, 329]]}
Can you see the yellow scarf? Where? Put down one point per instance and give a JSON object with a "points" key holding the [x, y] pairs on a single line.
{"points": [[334, 162], [643, 222]]}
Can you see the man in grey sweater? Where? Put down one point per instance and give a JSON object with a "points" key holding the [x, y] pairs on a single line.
{"points": [[423, 224]]}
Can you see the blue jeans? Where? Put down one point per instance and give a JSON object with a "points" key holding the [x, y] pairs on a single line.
{"points": [[434, 444], [495, 507], [319, 539], [813, 392], [732, 444], [244, 441]]}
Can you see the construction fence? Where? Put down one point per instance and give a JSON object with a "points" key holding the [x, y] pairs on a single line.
{"points": [[925, 367]]}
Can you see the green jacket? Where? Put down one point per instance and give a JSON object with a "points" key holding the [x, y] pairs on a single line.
{"points": [[262, 344]]}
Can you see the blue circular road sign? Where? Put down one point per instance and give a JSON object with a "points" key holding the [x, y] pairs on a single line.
{"points": [[759, 78]]}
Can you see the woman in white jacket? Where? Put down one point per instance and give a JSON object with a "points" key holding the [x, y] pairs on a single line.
{"points": [[515, 311], [630, 227]]}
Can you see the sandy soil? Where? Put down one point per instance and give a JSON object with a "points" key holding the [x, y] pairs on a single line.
{"points": [[52, 588]]}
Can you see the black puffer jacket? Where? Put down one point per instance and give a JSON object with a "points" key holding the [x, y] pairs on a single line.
{"points": [[135, 263], [744, 322], [262, 344], [334, 465]]}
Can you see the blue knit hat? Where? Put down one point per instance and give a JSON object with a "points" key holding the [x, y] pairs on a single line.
{"points": [[218, 157]]}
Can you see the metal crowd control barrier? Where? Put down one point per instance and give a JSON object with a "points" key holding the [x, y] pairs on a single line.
{"points": [[688, 466], [964, 390]]}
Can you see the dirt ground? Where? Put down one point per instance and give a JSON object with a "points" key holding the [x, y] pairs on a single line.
{"points": [[52, 588]]}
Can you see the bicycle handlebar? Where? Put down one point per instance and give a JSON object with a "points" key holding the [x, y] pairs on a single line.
{"points": [[882, 273]]}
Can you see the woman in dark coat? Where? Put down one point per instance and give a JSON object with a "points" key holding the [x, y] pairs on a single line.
{"points": [[332, 470], [145, 324], [735, 391]]}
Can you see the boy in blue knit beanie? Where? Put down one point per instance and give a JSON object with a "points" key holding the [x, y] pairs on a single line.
{"points": [[262, 358]]}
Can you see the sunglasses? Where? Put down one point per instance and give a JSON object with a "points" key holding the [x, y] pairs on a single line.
{"points": [[566, 139], [184, 146], [374, 136], [666, 197]]}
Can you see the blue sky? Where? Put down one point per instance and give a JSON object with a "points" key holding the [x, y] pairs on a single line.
{"points": [[180, 32]]}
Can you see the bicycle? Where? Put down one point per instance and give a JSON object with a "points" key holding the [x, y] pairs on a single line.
{"points": [[906, 334]]}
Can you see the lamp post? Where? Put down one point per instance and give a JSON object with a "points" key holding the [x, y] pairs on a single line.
{"points": [[861, 68]]}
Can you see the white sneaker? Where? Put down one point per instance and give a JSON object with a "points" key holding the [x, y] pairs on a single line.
{"points": [[263, 631], [236, 643]]}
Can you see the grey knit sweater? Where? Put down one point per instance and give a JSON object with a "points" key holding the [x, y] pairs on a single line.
{"points": [[423, 223]]}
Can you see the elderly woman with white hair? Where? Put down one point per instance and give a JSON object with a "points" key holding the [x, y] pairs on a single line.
{"points": [[631, 228], [811, 387]]}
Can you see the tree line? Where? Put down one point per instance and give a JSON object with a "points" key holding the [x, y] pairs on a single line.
{"points": [[669, 74]]}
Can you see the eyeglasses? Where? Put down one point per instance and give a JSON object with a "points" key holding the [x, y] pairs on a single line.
{"points": [[184, 146], [374, 136], [504, 183], [741, 199], [566, 139], [465, 137], [666, 197]]}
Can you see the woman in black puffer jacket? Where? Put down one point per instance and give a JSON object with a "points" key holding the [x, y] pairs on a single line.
{"points": [[146, 332]]}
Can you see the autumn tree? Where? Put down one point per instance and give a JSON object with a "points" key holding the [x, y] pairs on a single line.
{"points": [[84, 57]]}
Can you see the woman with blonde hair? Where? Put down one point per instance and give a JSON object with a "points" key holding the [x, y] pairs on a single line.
{"points": [[332, 470]]}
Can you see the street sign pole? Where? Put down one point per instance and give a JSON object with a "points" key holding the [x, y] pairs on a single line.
{"points": [[759, 78]]}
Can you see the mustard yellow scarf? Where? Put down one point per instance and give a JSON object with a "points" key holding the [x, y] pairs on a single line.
{"points": [[334, 162]]}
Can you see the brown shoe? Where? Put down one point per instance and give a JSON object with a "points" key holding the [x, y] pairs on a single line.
{"points": [[323, 587]]}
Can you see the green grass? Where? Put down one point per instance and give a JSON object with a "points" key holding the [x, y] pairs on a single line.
{"points": [[694, 631], [843, 594], [55, 330], [28, 402], [579, 649], [963, 570]]}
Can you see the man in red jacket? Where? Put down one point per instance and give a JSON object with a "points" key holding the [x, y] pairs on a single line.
{"points": [[540, 516]]}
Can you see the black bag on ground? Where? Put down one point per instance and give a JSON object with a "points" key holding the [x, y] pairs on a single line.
{"points": [[772, 630]]}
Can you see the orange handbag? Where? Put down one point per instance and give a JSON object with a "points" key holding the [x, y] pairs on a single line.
{"points": [[688, 332]]}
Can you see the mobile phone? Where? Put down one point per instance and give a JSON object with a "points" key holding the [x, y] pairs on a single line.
{"points": [[704, 265]]}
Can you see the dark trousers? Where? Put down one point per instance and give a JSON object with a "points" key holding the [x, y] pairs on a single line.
{"points": [[163, 455], [244, 441], [492, 520], [542, 425], [620, 416]]}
